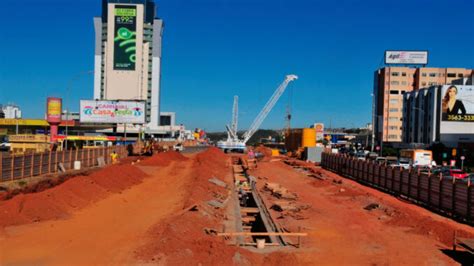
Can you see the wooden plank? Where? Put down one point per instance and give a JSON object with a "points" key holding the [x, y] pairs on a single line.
{"points": [[249, 210], [266, 244], [248, 219], [261, 234]]}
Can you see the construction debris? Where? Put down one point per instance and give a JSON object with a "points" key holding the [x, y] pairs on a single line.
{"points": [[280, 192], [218, 182]]}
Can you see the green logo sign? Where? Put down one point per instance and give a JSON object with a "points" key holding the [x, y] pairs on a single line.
{"points": [[125, 38]]}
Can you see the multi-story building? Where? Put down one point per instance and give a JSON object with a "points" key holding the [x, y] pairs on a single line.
{"points": [[10, 111], [427, 120], [390, 83], [128, 54]]}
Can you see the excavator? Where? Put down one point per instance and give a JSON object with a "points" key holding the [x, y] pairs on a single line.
{"points": [[233, 142]]}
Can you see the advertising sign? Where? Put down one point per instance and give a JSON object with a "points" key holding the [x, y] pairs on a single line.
{"points": [[115, 112], [319, 128], [125, 37], [53, 110], [457, 103], [406, 57]]}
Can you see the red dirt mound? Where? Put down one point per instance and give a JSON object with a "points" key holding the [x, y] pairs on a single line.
{"points": [[164, 158], [76, 192], [182, 239]]}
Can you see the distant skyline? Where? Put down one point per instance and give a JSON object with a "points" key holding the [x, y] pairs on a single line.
{"points": [[215, 49]]}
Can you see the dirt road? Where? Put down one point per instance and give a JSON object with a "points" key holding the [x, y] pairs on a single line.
{"points": [[106, 232]]}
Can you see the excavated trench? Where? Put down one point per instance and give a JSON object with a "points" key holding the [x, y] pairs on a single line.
{"points": [[253, 221]]}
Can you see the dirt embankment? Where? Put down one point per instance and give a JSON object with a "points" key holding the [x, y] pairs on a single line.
{"points": [[58, 197], [189, 237]]}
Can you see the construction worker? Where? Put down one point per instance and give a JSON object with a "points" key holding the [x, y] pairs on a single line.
{"points": [[114, 157], [251, 154]]}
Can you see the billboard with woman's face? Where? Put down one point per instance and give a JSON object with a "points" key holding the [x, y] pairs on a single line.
{"points": [[457, 103]]}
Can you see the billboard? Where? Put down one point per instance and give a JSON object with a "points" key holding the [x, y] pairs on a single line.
{"points": [[115, 112], [457, 103], [125, 37], [406, 57], [319, 128], [53, 110]]}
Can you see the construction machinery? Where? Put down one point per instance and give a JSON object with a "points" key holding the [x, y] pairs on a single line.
{"points": [[233, 142]]}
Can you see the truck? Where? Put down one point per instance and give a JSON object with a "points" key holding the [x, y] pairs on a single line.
{"points": [[414, 157]]}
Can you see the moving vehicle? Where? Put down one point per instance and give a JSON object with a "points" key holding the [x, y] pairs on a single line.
{"points": [[414, 157], [455, 173], [360, 156]]}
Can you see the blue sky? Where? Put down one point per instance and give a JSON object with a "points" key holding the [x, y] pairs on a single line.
{"points": [[214, 49]]}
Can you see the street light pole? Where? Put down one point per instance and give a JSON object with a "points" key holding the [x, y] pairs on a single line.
{"points": [[373, 122]]}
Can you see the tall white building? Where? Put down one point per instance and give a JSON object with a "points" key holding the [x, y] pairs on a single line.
{"points": [[11, 111], [128, 55]]}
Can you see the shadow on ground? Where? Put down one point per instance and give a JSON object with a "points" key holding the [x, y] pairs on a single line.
{"points": [[462, 257]]}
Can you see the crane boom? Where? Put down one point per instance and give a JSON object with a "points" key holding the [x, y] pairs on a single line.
{"points": [[235, 115], [267, 108]]}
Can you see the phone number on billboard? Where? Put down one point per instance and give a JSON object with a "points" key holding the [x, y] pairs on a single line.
{"points": [[461, 118]]}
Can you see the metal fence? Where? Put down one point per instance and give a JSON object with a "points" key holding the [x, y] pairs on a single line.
{"points": [[448, 196], [20, 166]]}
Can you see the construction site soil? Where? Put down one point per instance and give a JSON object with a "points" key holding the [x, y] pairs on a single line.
{"points": [[156, 211]]}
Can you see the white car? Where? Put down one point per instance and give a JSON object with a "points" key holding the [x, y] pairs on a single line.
{"points": [[178, 147]]}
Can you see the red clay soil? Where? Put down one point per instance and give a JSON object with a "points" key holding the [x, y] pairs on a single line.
{"points": [[76, 192], [163, 158], [396, 232], [182, 240], [121, 216]]}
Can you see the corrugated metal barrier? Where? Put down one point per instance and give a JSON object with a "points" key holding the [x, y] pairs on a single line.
{"points": [[20, 166], [450, 197]]}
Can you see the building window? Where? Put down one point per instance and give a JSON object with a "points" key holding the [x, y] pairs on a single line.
{"points": [[451, 75], [394, 82], [404, 74], [395, 74], [393, 128], [393, 119], [403, 92], [432, 74], [432, 83], [393, 110], [392, 136], [404, 83], [423, 74], [423, 84], [393, 92], [460, 75], [393, 101]]}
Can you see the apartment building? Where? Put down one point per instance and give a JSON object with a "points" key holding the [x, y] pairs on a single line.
{"points": [[390, 84]]}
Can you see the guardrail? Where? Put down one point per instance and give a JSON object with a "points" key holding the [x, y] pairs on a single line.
{"points": [[450, 197], [20, 166]]}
